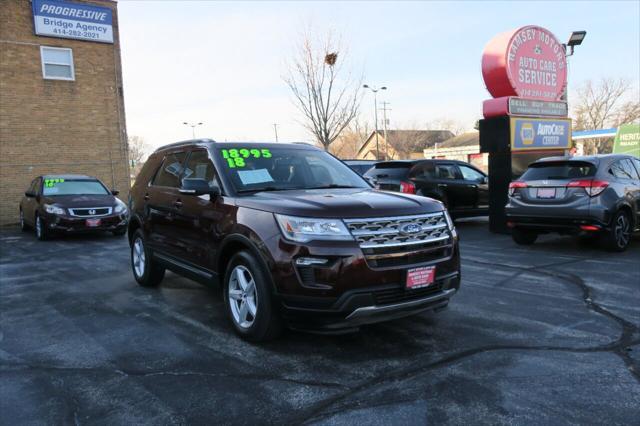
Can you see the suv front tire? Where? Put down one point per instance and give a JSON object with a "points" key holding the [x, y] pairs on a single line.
{"points": [[247, 297]]}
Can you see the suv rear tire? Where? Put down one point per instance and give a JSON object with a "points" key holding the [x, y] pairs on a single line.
{"points": [[618, 237], [247, 298], [523, 237], [146, 271]]}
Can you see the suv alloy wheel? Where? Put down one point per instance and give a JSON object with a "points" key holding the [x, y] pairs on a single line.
{"points": [[247, 297], [619, 236], [146, 272]]}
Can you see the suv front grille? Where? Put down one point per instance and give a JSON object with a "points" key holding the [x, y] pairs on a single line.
{"points": [[91, 211], [400, 294], [388, 242]]}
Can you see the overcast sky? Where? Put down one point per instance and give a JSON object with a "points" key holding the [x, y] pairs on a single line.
{"points": [[221, 62]]}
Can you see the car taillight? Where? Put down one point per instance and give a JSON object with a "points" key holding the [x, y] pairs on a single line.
{"points": [[591, 187], [407, 187], [514, 185]]}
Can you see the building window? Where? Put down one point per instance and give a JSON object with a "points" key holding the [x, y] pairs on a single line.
{"points": [[57, 63]]}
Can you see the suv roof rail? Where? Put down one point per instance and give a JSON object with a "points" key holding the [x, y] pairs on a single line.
{"points": [[184, 143]]}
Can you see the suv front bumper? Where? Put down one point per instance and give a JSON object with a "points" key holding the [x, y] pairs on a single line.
{"points": [[368, 306]]}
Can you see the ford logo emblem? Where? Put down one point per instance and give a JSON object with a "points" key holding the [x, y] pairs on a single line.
{"points": [[411, 228]]}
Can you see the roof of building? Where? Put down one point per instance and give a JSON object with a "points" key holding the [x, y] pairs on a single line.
{"points": [[420, 139], [463, 139]]}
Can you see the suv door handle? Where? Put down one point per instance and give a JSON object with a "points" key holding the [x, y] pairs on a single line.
{"points": [[177, 204], [442, 185], [471, 186], [146, 197]]}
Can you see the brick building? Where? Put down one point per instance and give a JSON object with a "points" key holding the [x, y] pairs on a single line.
{"points": [[61, 98]]}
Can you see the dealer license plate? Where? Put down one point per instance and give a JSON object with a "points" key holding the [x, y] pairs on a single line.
{"points": [[421, 277], [546, 193], [92, 223]]}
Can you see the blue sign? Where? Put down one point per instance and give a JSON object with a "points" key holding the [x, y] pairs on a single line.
{"points": [[63, 19], [540, 133]]}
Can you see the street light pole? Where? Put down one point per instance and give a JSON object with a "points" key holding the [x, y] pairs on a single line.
{"points": [[275, 129], [193, 128], [375, 106]]}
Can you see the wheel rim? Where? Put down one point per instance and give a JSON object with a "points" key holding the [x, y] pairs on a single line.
{"points": [[138, 257], [38, 227], [242, 297], [622, 231]]}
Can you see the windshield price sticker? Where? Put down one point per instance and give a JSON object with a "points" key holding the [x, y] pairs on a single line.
{"points": [[235, 157], [50, 183]]}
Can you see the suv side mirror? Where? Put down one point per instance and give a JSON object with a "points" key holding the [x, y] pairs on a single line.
{"points": [[30, 194], [485, 179], [197, 186], [114, 192]]}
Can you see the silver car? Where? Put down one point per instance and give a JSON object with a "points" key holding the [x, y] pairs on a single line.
{"points": [[597, 194]]}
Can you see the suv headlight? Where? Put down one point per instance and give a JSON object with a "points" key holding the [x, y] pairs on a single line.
{"points": [[50, 208], [448, 219], [120, 207], [303, 229]]}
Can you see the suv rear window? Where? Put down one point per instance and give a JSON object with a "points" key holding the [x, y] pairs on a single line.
{"points": [[549, 170], [395, 169]]}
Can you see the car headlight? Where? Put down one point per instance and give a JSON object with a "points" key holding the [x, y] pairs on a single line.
{"points": [[303, 229], [120, 207], [50, 208], [448, 219]]}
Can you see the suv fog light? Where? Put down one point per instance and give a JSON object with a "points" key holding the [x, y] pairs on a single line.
{"points": [[308, 261]]}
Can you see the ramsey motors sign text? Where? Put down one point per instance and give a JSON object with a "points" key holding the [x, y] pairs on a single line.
{"points": [[73, 20]]}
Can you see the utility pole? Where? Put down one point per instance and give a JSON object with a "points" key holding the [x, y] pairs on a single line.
{"points": [[384, 110], [275, 129]]}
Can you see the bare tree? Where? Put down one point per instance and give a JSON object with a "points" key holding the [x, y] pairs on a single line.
{"points": [[138, 152], [609, 102], [351, 139], [324, 90]]}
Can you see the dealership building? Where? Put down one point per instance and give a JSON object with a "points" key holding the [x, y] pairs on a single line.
{"points": [[61, 96]]}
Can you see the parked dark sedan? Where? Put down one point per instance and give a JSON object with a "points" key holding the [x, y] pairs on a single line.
{"points": [[462, 188], [360, 166], [71, 203], [577, 195]]}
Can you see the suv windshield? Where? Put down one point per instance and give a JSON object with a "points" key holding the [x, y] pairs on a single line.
{"points": [[252, 168], [549, 170], [52, 187]]}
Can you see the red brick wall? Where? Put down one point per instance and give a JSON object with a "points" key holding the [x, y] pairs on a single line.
{"points": [[53, 126]]}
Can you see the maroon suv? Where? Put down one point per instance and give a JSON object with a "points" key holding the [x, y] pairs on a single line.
{"points": [[293, 236]]}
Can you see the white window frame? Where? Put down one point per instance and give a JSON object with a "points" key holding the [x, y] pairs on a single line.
{"points": [[44, 73]]}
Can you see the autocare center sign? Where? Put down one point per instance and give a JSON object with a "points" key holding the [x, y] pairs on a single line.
{"points": [[540, 133], [73, 20]]}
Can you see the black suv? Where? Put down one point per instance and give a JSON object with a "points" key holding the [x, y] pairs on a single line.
{"points": [[597, 195], [462, 188], [63, 204], [294, 236]]}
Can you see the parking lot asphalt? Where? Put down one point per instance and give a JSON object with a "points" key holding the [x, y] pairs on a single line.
{"points": [[547, 334]]}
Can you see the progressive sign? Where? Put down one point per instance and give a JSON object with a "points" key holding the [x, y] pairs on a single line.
{"points": [[540, 134], [73, 20]]}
